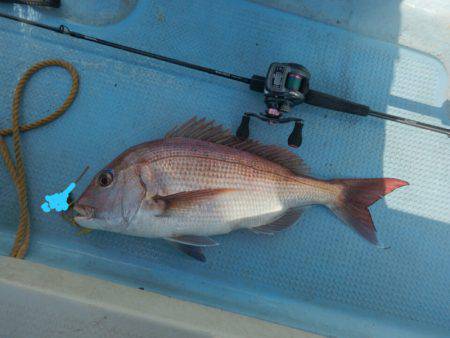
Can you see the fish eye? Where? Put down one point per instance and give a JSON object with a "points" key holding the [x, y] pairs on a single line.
{"points": [[105, 178]]}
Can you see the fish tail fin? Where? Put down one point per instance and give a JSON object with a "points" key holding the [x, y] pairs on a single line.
{"points": [[354, 198]]}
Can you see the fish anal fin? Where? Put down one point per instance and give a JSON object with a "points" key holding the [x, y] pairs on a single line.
{"points": [[187, 199], [290, 217], [208, 131]]}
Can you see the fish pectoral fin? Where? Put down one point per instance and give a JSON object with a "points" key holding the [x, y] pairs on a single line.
{"points": [[187, 199], [290, 217], [193, 240]]}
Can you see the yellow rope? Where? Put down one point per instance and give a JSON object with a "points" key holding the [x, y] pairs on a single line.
{"points": [[17, 170]]}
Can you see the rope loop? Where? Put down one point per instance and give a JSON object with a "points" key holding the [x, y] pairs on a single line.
{"points": [[17, 169]]}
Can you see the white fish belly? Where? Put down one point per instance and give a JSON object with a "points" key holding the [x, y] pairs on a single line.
{"points": [[220, 215]]}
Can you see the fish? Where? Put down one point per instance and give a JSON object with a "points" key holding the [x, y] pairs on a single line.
{"points": [[200, 181]]}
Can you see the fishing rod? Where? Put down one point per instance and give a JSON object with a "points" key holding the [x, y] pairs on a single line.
{"points": [[44, 3], [285, 86]]}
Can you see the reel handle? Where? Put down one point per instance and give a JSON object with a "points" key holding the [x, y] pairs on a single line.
{"points": [[243, 131], [296, 138]]}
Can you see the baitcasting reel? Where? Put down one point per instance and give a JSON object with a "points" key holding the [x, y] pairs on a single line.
{"points": [[285, 86]]}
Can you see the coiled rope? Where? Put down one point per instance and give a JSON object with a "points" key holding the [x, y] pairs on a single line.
{"points": [[17, 170]]}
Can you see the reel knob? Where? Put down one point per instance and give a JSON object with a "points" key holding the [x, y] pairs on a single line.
{"points": [[243, 131], [295, 139]]}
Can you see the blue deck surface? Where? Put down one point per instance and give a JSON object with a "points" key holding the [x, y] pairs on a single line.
{"points": [[318, 275]]}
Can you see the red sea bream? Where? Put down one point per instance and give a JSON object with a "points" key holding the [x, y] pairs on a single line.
{"points": [[201, 181]]}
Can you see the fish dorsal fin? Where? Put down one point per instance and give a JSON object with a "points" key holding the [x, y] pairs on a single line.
{"points": [[204, 130]]}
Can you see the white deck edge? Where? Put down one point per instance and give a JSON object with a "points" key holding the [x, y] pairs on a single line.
{"points": [[82, 306]]}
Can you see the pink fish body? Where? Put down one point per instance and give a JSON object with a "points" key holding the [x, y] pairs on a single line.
{"points": [[201, 181]]}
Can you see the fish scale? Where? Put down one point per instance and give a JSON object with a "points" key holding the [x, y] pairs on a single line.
{"points": [[202, 181], [255, 193]]}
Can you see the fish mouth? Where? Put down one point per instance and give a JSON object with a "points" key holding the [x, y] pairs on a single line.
{"points": [[84, 212]]}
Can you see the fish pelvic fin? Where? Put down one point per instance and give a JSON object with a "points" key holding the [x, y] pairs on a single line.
{"points": [[356, 195], [195, 252], [193, 240]]}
